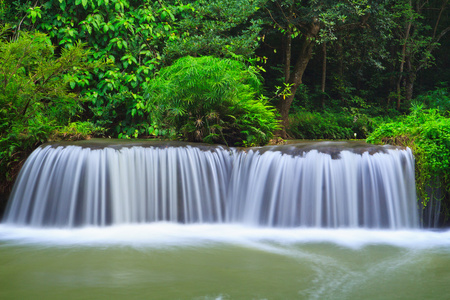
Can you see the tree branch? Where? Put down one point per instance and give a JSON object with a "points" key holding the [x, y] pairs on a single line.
{"points": [[439, 17], [432, 46], [273, 19]]}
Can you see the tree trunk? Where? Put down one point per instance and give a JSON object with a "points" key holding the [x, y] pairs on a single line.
{"points": [[295, 78], [403, 57], [340, 54], [409, 87], [324, 72], [287, 56], [409, 82]]}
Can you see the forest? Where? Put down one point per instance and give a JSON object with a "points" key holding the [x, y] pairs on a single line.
{"points": [[238, 73]]}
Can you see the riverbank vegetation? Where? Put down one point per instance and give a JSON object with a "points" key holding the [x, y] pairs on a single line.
{"points": [[427, 133], [213, 100], [325, 69], [36, 104]]}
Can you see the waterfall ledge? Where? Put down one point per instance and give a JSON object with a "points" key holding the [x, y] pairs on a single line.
{"points": [[319, 185]]}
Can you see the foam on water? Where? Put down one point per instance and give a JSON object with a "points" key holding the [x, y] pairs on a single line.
{"points": [[166, 235]]}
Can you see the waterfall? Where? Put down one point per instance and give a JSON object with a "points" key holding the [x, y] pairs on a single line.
{"points": [[292, 186]]}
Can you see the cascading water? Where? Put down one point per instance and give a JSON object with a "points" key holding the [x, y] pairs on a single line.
{"points": [[315, 190], [292, 186]]}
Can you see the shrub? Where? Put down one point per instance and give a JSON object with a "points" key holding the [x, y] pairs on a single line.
{"points": [[329, 125], [427, 133], [438, 98], [207, 99], [131, 35], [34, 99]]}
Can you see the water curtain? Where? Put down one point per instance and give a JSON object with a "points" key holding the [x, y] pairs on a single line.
{"points": [[72, 185]]}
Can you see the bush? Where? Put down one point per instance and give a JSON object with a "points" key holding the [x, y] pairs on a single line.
{"points": [[427, 133], [329, 125], [207, 99], [131, 35], [34, 99], [438, 98]]}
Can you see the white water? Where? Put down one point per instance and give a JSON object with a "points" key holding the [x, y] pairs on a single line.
{"points": [[314, 190], [75, 186], [163, 235]]}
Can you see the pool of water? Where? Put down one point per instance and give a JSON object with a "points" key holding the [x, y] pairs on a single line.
{"points": [[169, 261]]}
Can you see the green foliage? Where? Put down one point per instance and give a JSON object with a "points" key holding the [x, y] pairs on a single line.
{"points": [[314, 125], [34, 96], [329, 125], [212, 100], [292, 17], [421, 40], [2, 9], [338, 120], [217, 28], [130, 35], [427, 133], [439, 98], [81, 130]]}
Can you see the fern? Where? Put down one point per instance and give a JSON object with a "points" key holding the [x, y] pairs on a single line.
{"points": [[211, 100]]}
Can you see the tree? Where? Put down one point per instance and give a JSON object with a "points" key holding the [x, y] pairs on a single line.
{"points": [[420, 25], [35, 101], [131, 35], [207, 99], [305, 24], [218, 28]]}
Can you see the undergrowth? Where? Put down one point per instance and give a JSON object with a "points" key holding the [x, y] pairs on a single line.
{"points": [[427, 133]]}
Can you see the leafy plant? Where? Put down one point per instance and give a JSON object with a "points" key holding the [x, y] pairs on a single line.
{"points": [[211, 100], [218, 27], [34, 96], [427, 133], [76, 131], [439, 98], [347, 123], [130, 35], [315, 125]]}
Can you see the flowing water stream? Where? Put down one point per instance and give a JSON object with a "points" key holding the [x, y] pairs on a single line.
{"points": [[172, 221]]}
